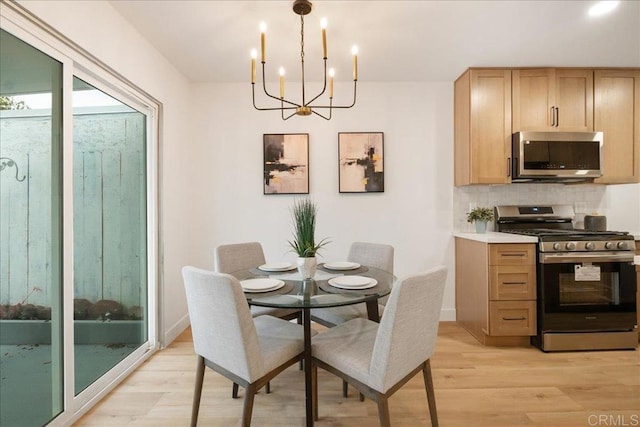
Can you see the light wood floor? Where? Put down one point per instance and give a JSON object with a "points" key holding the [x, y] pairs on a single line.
{"points": [[474, 386]]}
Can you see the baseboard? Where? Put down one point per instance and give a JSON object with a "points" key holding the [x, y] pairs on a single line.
{"points": [[174, 331], [448, 315]]}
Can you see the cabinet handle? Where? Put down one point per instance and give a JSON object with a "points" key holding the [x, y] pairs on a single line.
{"points": [[518, 255], [557, 116], [508, 167], [553, 117], [514, 283], [514, 318]]}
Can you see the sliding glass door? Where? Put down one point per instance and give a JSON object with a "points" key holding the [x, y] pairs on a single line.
{"points": [[77, 231], [31, 363], [109, 232]]}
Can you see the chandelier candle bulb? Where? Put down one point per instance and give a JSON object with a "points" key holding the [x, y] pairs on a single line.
{"points": [[254, 54], [354, 51], [281, 71], [263, 37], [323, 25], [332, 73]]}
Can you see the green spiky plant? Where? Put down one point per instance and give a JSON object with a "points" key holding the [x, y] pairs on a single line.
{"points": [[304, 213]]}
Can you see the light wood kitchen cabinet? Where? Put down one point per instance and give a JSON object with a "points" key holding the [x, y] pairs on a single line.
{"points": [[482, 127], [552, 99], [496, 291], [617, 114]]}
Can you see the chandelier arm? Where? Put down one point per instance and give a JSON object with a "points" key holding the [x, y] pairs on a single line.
{"points": [[324, 88], [266, 109], [264, 86], [330, 106], [321, 115], [288, 117]]}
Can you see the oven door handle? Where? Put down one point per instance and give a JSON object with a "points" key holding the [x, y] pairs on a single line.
{"points": [[577, 258]]}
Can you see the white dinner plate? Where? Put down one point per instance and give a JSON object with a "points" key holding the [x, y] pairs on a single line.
{"points": [[276, 266], [342, 265], [353, 282], [261, 285]]}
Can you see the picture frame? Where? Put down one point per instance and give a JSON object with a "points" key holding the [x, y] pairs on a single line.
{"points": [[285, 163], [361, 162]]}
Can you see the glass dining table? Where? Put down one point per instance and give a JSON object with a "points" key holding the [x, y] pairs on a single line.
{"points": [[328, 288]]}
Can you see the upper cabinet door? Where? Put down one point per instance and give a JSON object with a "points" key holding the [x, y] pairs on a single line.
{"points": [[549, 99], [617, 114], [533, 99], [482, 127]]}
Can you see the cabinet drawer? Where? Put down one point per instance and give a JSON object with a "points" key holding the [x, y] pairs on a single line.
{"points": [[512, 282], [512, 254], [512, 318]]}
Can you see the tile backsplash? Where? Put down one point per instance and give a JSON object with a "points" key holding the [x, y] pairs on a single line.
{"points": [[586, 197]]}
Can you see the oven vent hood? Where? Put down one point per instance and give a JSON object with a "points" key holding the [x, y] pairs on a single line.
{"points": [[556, 157]]}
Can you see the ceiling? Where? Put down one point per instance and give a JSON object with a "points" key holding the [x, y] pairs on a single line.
{"points": [[400, 41]]}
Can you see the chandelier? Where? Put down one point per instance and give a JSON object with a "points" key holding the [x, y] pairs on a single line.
{"points": [[304, 107]]}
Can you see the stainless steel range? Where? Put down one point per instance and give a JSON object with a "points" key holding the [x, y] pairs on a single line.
{"points": [[586, 280]]}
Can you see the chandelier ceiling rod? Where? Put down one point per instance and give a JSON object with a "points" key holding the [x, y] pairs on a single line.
{"points": [[302, 8]]}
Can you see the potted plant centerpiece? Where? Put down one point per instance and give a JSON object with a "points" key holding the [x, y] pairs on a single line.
{"points": [[481, 216], [304, 213]]}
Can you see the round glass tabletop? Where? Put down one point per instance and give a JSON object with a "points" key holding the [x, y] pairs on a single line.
{"points": [[328, 288]]}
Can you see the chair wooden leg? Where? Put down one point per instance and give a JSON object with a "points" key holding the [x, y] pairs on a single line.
{"points": [[345, 388], [383, 410], [197, 391], [314, 390], [268, 387], [234, 391], [247, 410], [431, 397], [361, 397]]}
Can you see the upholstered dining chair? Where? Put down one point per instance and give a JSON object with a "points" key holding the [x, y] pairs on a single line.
{"points": [[241, 256], [249, 351], [379, 358], [244, 256], [375, 255]]}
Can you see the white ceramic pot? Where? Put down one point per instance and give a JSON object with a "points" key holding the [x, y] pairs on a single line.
{"points": [[481, 226], [307, 267]]}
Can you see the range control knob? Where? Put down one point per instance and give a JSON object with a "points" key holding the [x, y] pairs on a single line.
{"points": [[570, 246], [589, 246], [609, 245], [557, 246], [622, 245]]}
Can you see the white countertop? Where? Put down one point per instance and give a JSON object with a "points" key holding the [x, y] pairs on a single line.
{"points": [[495, 237]]}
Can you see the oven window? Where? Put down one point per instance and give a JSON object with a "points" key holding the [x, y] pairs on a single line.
{"points": [[574, 292], [584, 287]]}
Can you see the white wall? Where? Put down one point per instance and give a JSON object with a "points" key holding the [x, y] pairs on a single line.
{"points": [[98, 28], [414, 213]]}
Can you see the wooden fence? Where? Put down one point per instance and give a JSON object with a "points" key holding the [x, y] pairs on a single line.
{"points": [[109, 209]]}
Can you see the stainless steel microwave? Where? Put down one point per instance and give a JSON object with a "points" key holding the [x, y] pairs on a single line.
{"points": [[556, 156]]}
